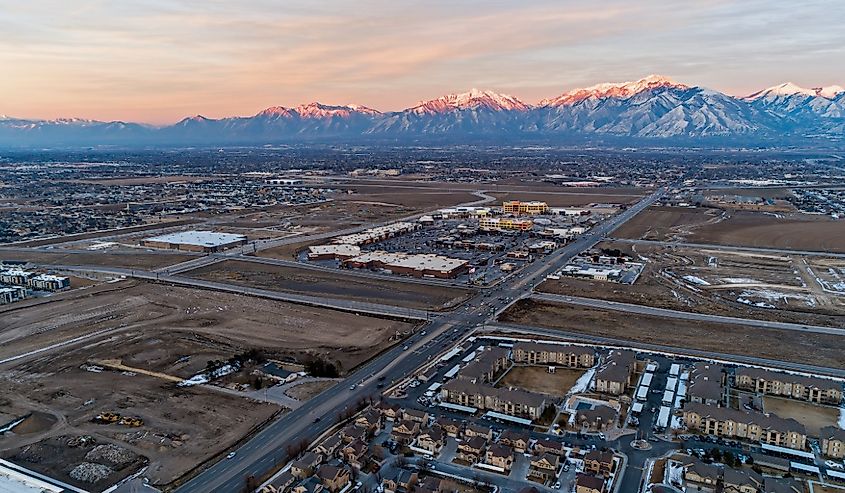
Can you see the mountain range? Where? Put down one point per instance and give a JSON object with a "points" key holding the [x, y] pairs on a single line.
{"points": [[654, 108]]}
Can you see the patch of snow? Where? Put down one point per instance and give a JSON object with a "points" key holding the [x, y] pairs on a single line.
{"points": [[583, 382], [696, 280], [841, 422], [739, 280]]}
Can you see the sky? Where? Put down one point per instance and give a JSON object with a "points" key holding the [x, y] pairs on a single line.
{"points": [[157, 61]]}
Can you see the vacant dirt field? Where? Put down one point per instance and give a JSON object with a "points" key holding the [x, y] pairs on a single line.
{"points": [[793, 231], [307, 390], [133, 260], [568, 198], [670, 278], [538, 379], [667, 223], [335, 285], [409, 197], [780, 345], [812, 417], [165, 333]]}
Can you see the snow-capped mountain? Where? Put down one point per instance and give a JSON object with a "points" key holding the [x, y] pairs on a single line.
{"points": [[472, 112], [654, 107], [818, 110]]}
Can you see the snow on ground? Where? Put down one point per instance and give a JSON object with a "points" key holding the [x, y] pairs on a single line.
{"points": [[696, 280], [675, 473], [739, 280], [842, 418], [194, 380], [583, 382], [205, 378]]}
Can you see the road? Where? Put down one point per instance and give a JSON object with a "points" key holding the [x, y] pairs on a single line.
{"points": [[265, 449], [730, 248], [667, 313]]}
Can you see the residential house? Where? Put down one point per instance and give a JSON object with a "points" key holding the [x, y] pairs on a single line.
{"points": [[431, 440], [404, 431], [782, 485], [306, 465], [599, 418], [475, 430], [741, 481], [420, 417], [832, 442], [501, 456], [584, 483], [699, 473], [369, 420], [543, 467], [599, 462], [310, 484], [471, 449], [402, 482], [350, 433], [390, 411], [549, 446], [517, 440], [330, 445], [449, 426], [355, 454], [616, 372], [334, 478]]}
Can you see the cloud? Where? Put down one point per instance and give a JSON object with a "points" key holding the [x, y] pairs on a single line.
{"points": [[160, 60]]}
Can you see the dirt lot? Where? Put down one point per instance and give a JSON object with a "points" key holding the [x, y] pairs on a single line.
{"points": [[538, 379], [739, 228], [165, 333], [134, 260], [336, 285], [812, 417], [780, 345], [569, 198], [306, 391], [667, 223], [757, 286]]}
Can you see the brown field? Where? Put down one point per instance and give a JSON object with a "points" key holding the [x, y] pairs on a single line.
{"points": [[667, 223], [100, 234], [811, 416], [306, 391], [538, 379], [410, 197], [138, 260], [794, 231], [334, 285], [165, 333], [569, 198], [738, 228], [506, 185], [775, 344], [662, 285]]}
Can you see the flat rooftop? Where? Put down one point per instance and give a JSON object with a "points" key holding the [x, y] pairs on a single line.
{"points": [[198, 238]]}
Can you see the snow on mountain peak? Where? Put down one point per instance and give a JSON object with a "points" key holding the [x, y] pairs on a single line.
{"points": [[472, 99], [829, 92], [619, 90], [785, 89], [316, 110]]}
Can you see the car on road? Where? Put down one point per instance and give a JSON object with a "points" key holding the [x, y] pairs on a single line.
{"points": [[557, 485], [352, 387], [317, 419], [230, 455]]}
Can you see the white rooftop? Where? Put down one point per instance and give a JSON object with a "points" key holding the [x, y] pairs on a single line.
{"points": [[199, 238], [12, 481], [425, 261]]}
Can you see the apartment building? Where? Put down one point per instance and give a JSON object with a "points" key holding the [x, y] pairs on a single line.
{"points": [[748, 425], [614, 376], [11, 294], [513, 402], [832, 442], [812, 389], [706, 383], [486, 223], [533, 207], [535, 353], [486, 365]]}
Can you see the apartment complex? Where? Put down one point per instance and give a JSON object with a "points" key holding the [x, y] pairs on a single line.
{"points": [[706, 383], [615, 374], [11, 294], [535, 353], [749, 425], [832, 441], [812, 389], [514, 402], [533, 207], [39, 282]]}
